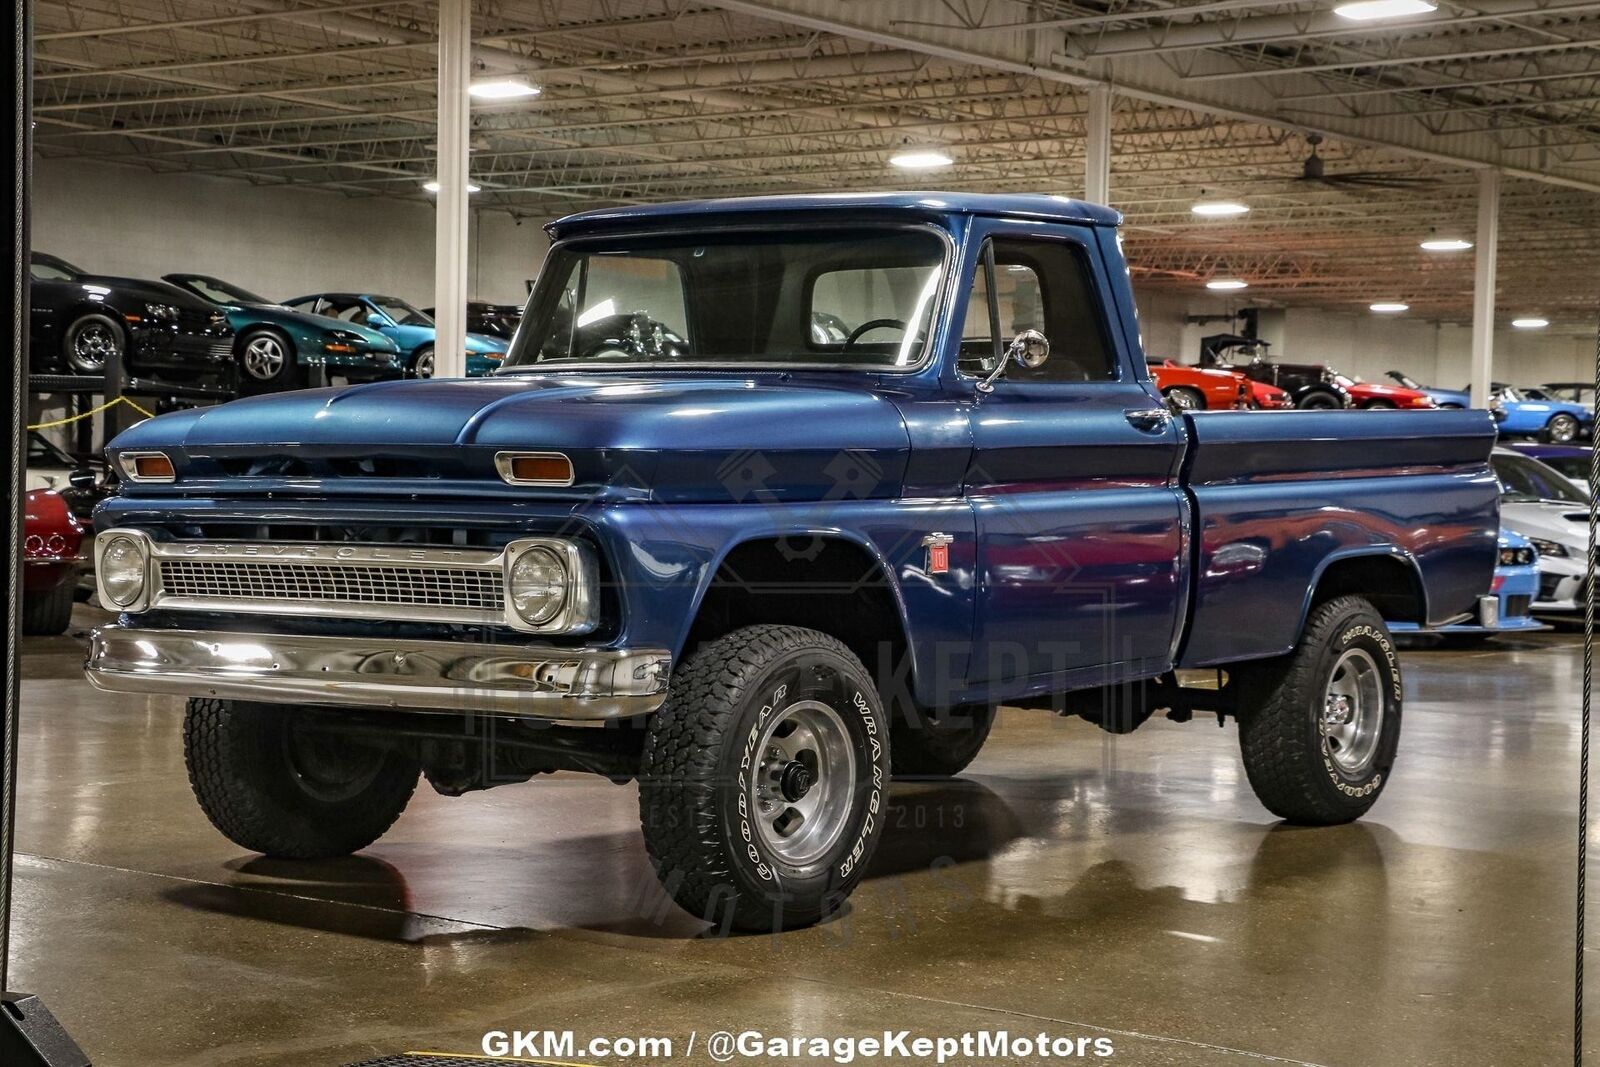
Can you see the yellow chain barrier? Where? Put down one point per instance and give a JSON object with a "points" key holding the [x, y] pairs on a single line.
{"points": [[93, 411]]}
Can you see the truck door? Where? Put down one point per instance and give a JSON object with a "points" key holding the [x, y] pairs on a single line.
{"points": [[1073, 474]]}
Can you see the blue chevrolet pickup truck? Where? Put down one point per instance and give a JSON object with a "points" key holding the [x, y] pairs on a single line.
{"points": [[774, 499]]}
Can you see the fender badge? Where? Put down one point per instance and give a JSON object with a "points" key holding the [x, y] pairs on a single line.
{"points": [[938, 545]]}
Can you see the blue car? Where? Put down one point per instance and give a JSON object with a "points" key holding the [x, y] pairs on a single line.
{"points": [[1505, 609], [1535, 413], [1445, 398], [410, 329]]}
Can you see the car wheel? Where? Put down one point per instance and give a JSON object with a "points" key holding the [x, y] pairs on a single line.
{"points": [[1319, 400], [268, 362], [272, 783], [422, 362], [1319, 728], [1452, 407], [1561, 428], [91, 341], [1186, 398], [48, 613], [764, 778], [1380, 405]]}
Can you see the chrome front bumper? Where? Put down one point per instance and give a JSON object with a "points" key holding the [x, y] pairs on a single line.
{"points": [[569, 684]]}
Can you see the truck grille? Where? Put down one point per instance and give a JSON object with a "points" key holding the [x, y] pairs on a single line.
{"points": [[434, 587]]}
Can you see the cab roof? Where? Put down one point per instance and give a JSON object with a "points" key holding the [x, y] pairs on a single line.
{"points": [[932, 205]]}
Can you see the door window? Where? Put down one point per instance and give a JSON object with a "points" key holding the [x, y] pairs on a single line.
{"points": [[1037, 285]]}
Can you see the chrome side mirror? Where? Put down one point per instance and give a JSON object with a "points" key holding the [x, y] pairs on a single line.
{"points": [[1029, 350]]}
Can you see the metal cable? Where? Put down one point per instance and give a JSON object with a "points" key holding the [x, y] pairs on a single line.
{"points": [[1583, 757]]}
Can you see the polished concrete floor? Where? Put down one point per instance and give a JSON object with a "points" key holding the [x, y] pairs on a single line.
{"points": [[1071, 882]]}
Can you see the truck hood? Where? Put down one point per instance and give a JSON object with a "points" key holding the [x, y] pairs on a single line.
{"points": [[679, 439]]}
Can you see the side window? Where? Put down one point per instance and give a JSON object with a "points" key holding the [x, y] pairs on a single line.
{"points": [[1044, 286]]}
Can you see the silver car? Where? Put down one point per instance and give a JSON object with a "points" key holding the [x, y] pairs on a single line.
{"points": [[1544, 506]]}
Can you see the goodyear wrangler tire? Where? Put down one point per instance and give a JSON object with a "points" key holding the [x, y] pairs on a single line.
{"points": [[273, 786], [1319, 728], [764, 777]]}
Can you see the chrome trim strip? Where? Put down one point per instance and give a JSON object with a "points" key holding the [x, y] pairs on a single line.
{"points": [[579, 615], [540, 682]]}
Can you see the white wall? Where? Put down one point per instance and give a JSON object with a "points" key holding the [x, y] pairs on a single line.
{"points": [[279, 242]]}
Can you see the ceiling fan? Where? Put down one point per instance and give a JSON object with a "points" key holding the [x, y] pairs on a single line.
{"points": [[1314, 169]]}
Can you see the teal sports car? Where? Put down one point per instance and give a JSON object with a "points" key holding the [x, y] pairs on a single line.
{"points": [[275, 344], [407, 327]]}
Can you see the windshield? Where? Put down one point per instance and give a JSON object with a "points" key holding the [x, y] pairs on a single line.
{"points": [[44, 453], [1404, 379], [754, 298], [1524, 479], [220, 292], [1574, 466], [44, 268], [400, 312]]}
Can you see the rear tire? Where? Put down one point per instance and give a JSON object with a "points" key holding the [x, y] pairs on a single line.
{"points": [[421, 364], [1186, 398], [1319, 400], [273, 785], [758, 722], [939, 745], [1319, 728], [48, 614]]}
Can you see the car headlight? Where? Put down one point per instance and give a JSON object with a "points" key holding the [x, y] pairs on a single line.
{"points": [[121, 568], [1516, 557], [161, 312], [551, 586], [1549, 548]]}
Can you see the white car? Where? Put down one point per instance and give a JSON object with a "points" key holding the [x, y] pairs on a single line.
{"points": [[1542, 505]]}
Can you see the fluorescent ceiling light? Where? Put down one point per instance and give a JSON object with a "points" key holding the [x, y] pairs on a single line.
{"points": [[1227, 283], [504, 89], [1530, 324], [921, 160], [433, 187], [1445, 244], [1218, 209], [1389, 307], [1367, 10]]}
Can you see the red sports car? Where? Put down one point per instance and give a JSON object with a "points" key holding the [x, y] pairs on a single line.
{"points": [[52, 540], [1197, 389], [1373, 395], [1268, 397]]}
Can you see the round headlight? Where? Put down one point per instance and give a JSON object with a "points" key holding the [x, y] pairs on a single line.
{"points": [[122, 571], [538, 585]]}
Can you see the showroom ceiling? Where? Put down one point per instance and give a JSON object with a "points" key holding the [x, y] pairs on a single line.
{"points": [[646, 100]]}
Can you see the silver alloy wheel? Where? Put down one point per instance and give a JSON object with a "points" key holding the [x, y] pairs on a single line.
{"points": [[424, 365], [264, 357], [1183, 398], [1563, 428], [805, 782], [1352, 712], [92, 345]]}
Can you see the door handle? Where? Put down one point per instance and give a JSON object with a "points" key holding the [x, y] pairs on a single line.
{"points": [[1149, 420]]}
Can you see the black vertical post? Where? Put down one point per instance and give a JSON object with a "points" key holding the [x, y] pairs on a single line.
{"points": [[29, 1034]]}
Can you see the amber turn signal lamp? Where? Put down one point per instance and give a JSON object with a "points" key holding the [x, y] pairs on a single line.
{"points": [[147, 466], [534, 468]]}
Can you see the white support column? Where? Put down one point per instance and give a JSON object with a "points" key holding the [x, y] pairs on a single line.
{"points": [[1483, 285], [450, 226], [1097, 150]]}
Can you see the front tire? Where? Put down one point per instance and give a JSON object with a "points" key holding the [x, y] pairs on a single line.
{"points": [[1186, 398], [1319, 728], [272, 783], [764, 777], [91, 341], [1561, 429], [48, 614], [267, 362]]}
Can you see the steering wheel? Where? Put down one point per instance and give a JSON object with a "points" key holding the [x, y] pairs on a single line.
{"points": [[872, 324]]}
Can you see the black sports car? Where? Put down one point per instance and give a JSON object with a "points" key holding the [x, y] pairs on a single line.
{"points": [[496, 320], [78, 320]]}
